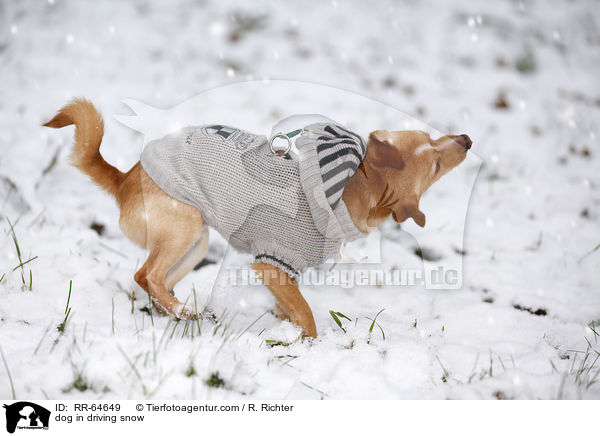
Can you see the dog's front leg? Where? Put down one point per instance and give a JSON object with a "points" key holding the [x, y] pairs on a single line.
{"points": [[288, 296]]}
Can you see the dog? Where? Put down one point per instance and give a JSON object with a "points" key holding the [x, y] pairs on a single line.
{"points": [[397, 168]]}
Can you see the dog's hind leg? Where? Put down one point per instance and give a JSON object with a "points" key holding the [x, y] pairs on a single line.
{"points": [[195, 254], [173, 231], [169, 260], [288, 296], [140, 278]]}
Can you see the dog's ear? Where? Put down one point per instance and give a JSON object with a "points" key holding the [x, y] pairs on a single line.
{"points": [[381, 136], [411, 209], [381, 152]]}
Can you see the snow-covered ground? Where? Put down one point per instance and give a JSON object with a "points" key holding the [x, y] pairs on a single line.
{"points": [[520, 77]]}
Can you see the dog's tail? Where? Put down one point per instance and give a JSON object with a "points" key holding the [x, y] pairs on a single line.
{"points": [[89, 129]]}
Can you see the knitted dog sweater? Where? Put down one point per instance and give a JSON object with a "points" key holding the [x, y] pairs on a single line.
{"points": [[285, 210]]}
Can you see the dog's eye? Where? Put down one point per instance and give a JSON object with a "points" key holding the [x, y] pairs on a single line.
{"points": [[437, 166]]}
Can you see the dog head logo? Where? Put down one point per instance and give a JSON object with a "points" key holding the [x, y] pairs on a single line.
{"points": [[26, 415]]}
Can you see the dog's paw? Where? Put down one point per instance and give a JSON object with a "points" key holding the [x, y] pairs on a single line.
{"points": [[160, 309], [183, 311], [280, 313]]}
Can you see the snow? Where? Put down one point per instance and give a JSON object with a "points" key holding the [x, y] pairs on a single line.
{"points": [[519, 77]]}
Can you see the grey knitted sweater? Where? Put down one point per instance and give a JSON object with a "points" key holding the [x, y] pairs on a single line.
{"points": [[286, 211]]}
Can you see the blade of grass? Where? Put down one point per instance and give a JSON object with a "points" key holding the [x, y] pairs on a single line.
{"points": [[24, 263], [150, 307], [588, 253], [196, 310], [163, 336], [446, 373], [373, 325], [113, 315], [323, 394], [42, 339], [134, 369], [336, 317], [251, 324], [10, 380], [69, 297], [14, 238], [62, 326]]}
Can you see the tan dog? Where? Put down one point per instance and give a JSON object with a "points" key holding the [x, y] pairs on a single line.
{"points": [[397, 169]]}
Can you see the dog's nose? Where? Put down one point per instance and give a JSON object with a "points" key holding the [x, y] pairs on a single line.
{"points": [[464, 140]]}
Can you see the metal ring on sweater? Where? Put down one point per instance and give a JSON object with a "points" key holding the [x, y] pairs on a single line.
{"points": [[280, 135]]}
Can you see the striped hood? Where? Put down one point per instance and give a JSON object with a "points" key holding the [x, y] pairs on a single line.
{"points": [[329, 155]]}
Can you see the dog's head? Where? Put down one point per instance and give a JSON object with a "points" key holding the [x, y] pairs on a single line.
{"points": [[405, 164]]}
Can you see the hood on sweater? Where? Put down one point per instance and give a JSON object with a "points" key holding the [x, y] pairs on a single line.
{"points": [[329, 155]]}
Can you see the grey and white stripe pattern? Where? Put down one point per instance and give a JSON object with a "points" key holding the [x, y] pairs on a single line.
{"points": [[339, 152]]}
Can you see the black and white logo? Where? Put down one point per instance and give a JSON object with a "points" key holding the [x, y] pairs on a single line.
{"points": [[26, 415]]}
